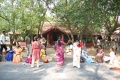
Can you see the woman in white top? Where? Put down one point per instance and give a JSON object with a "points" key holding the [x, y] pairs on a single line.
{"points": [[76, 54], [114, 62], [111, 56]]}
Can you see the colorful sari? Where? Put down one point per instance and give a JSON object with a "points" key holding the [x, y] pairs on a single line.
{"points": [[18, 55], [59, 53]]}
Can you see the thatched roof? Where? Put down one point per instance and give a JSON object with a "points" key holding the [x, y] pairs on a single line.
{"points": [[48, 26]]}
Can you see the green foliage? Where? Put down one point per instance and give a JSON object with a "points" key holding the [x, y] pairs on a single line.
{"points": [[22, 14], [80, 16], [88, 14]]}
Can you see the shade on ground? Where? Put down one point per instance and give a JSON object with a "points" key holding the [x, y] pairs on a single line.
{"points": [[49, 71]]}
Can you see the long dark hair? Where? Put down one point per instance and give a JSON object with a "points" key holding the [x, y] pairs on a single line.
{"points": [[113, 50], [35, 38], [59, 41], [10, 47]]}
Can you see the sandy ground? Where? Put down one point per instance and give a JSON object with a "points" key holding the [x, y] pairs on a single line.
{"points": [[49, 71]]}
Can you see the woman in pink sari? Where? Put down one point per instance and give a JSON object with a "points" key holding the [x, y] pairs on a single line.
{"points": [[59, 52], [36, 46]]}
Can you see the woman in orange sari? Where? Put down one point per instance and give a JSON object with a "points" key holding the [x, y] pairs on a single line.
{"points": [[18, 54]]}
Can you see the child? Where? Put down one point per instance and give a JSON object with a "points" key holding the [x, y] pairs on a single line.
{"points": [[29, 59], [9, 55]]}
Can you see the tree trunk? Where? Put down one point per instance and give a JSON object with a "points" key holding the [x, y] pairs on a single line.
{"points": [[109, 36], [11, 40], [71, 33]]}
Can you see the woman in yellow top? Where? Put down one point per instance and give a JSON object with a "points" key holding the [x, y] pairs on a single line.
{"points": [[18, 54]]}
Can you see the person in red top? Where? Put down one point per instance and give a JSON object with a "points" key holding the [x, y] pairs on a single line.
{"points": [[80, 44], [36, 47]]}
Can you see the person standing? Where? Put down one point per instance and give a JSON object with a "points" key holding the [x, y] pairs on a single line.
{"points": [[2, 41], [76, 54], [36, 47], [28, 45], [59, 52]]}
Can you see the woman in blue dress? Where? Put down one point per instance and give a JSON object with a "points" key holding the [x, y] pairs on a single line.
{"points": [[9, 55], [87, 58]]}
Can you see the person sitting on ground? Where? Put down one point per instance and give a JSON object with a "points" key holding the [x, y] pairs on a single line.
{"points": [[99, 54], [43, 47], [29, 59], [18, 54], [111, 57], [9, 55], [87, 58], [114, 62]]}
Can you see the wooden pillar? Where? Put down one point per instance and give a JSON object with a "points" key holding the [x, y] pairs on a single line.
{"points": [[48, 39]]}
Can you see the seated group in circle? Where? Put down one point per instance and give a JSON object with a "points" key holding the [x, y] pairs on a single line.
{"points": [[100, 57], [111, 57], [14, 55], [38, 51]]}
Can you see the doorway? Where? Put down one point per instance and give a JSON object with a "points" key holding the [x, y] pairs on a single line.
{"points": [[55, 36]]}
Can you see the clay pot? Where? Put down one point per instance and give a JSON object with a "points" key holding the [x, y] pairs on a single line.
{"points": [[45, 61]]}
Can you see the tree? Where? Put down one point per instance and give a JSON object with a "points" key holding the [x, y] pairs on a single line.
{"points": [[23, 15], [78, 16], [111, 11]]}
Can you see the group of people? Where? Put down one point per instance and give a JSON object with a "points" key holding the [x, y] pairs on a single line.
{"points": [[78, 49], [9, 51], [38, 49], [111, 57], [81, 53], [35, 49]]}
